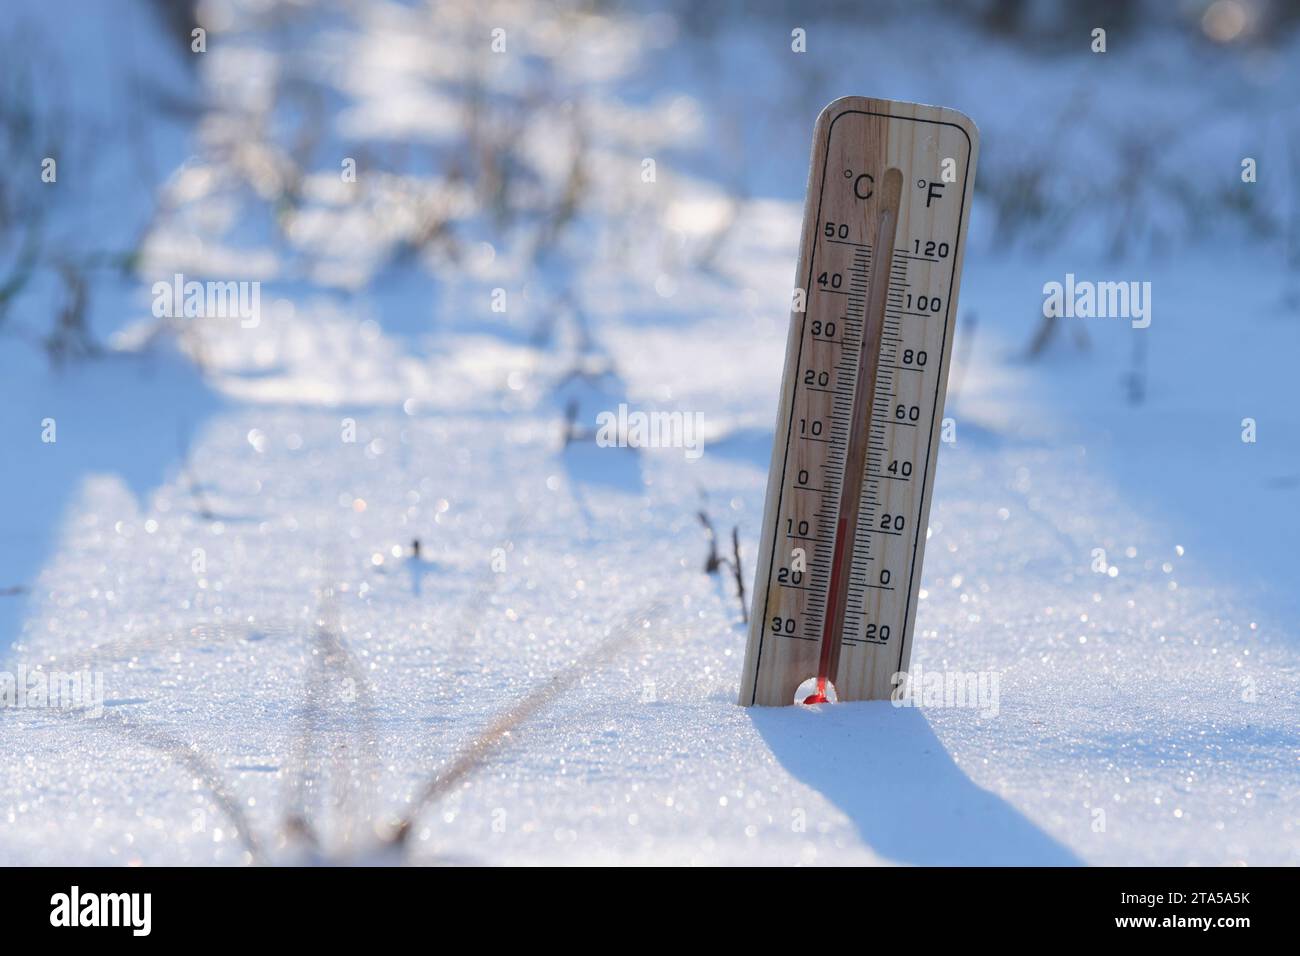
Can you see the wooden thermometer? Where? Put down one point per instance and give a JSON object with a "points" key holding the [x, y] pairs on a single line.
{"points": [[858, 426]]}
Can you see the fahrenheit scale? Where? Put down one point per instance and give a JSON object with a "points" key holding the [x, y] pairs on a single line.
{"points": [[858, 426]]}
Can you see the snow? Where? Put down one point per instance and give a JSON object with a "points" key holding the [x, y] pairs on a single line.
{"points": [[205, 535]]}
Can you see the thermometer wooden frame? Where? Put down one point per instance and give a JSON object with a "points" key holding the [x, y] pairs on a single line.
{"points": [[848, 496]]}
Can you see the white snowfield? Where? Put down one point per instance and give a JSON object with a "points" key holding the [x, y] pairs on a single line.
{"points": [[282, 676]]}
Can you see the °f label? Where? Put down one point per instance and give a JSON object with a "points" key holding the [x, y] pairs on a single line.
{"points": [[860, 417]]}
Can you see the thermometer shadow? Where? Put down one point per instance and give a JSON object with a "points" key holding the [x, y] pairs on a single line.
{"points": [[885, 768]]}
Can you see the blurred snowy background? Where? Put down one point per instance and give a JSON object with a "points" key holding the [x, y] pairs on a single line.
{"points": [[459, 261]]}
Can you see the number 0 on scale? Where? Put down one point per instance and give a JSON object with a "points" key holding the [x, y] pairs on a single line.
{"points": [[866, 368]]}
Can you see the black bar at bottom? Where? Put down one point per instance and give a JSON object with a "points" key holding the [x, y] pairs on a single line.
{"points": [[912, 906]]}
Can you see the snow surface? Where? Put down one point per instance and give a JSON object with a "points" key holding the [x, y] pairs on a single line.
{"points": [[313, 667]]}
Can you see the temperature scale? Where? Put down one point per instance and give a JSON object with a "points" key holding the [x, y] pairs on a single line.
{"points": [[858, 425]]}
